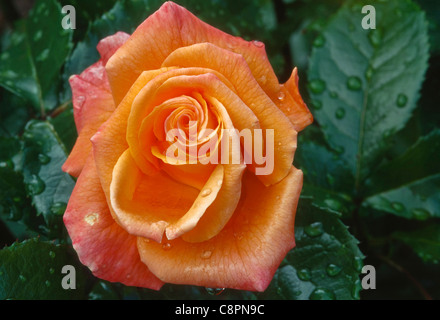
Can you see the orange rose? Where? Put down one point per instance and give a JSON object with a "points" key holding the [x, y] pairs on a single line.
{"points": [[142, 217]]}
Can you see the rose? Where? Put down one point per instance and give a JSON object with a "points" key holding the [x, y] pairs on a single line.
{"points": [[141, 218]]}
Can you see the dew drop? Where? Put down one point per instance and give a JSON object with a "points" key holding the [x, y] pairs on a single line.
{"points": [[281, 96], [322, 294], [333, 270], [402, 100], [304, 274], [369, 73], [257, 43], [43, 55], [79, 101], [314, 229], [420, 214], [166, 246], [319, 41], [375, 37], [215, 291], [22, 278], [91, 218], [52, 254], [35, 185], [316, 104], [340, 113], [206, 254], [5, 55], [58, 208], [397, 206], [47, 283], [358, 264], [333, 204], [51, 270], [44, 159], [354, 83], [317, 86], [355, 292], [339, 150], [38, 35], [206, 192], [263, 79]]}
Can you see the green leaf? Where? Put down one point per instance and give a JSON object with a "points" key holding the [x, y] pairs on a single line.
{"points": [[365, 84], [326, 262], [409, 186], [326, 178], [46, 183], [32, 270], [425, 242], [64, 125], [30, 66]]}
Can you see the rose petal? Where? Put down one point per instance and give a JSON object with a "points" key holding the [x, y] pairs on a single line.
{"points": [[242, 256], [144, 205], [172, 27], [92, 102], [102, 245]]}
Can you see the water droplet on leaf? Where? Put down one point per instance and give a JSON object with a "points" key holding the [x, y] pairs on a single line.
{"points": [[354, 83], [317, 86], [333, 270], [35, 185], [397, 206], [340, 113], [319, 41], [314, 229], [43, 55], [402, 100], [420, 214], [215, 291], [58, 208], [375, 37], [322, 294], [44, 159], [52, 254], [304, 274]]}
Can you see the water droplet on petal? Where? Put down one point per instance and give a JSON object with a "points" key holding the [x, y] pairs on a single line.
{"points": [[215, 291], [91, 218], [281, 96], [35, 185], [420, 214], [354, 83], [206, 254], [314, 229], [166, 246], [317, 86], [322, 294], [206, 192], [340, 113], [402, 100], [304, 274], [257, 43], [333, 270]]}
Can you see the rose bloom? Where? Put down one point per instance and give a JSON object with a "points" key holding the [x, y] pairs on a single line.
{"points": [[138, 218]]}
